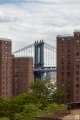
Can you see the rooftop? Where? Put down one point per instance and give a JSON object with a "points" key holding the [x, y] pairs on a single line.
{"points": [[66, 35], [5, 39]]}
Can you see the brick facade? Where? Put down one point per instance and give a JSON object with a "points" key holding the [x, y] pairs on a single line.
{"points": [[68, 66], [22, 74], [5, 68]]}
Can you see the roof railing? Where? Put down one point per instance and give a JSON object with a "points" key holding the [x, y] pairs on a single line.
{"points": [[65, 35], [76, 30], [5, 39]]}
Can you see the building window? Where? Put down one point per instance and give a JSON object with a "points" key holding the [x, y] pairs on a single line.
{"points": [[62, 85], [77, 47], [68, 91], [68, 96], [68, 61], [68, 67], [77, 60], [77, 72], [77, 34], [62, 61], [62, 73], [62, 44], [77, 66], [62, 79], [77, 91], [62, 56], [62, 52], [77, 79], [68, 39], [62, 39], [68, 56], [77, 41], [62, 67], [68, 50], [68, 79], [77, 53], [77, 85], [68, 73], [68, 44], [68, 85], [77, 98]]}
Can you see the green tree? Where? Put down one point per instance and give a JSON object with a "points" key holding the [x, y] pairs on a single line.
{"points": [[30, 111], [4, 118], [46, 89], [4, 107]]}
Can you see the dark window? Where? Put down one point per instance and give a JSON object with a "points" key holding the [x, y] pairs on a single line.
{"points": [[68, 61], [62, 61], [77, 53], [62, 79], [77, 72], [68, 50], [68, 96], [68, 67], [62, 50], [62, 73], [77, 85], [77, 98], [77, 79], [77, 47], [68, 91], [68, 44], [77, 91], [68, 56], [77, 66], [68, 73], [62, 67]]}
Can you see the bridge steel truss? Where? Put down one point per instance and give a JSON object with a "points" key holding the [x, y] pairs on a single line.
{"points": [[44, 57]]}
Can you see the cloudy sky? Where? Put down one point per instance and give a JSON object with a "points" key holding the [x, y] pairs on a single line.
{"points": [[24, 21]]}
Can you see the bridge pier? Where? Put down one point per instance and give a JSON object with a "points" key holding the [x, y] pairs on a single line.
{"points": [[39, 75]]}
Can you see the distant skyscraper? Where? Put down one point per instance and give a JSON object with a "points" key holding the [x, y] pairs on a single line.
{"points": [[5, 68], [68, 66]]}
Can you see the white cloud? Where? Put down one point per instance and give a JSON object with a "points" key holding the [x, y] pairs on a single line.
{"points": [[25, 22]]}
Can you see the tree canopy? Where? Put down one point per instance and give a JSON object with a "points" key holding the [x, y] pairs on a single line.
{"points": [[46, 89], [43, 100]]}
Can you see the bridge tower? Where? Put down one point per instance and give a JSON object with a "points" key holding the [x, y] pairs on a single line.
{"points": [[39, 59]]}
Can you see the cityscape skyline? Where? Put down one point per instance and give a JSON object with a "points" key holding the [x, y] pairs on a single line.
{"points": [[30, 20]]}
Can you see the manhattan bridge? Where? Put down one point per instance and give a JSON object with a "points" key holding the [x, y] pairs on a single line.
{"points": [[44, 57]]}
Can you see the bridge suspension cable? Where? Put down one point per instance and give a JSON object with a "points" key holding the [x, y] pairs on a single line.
{"points": [[29, 51]]}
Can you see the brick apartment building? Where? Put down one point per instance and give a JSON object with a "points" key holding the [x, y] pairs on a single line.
{"points": [[22, 74], [5, 68], [68, 66], [15, 73]]}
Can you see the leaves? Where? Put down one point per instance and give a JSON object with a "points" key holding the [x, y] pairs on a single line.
{"points": [[47, 90]]}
